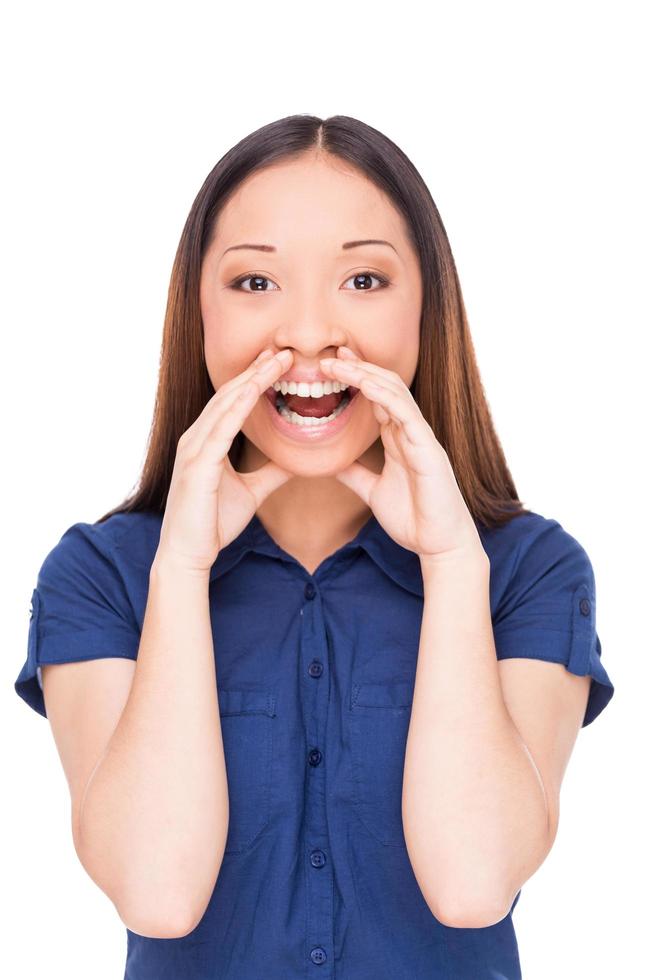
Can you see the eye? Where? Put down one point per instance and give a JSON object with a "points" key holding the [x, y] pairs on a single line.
{"points": [[361, 282], [361, 279], [252, 276]]}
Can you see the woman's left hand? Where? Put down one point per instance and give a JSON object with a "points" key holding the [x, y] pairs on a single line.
{"points": [[415, 498]]}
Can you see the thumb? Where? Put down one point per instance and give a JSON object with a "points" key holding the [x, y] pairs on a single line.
{"points": [[265, 480], [359, 479]]}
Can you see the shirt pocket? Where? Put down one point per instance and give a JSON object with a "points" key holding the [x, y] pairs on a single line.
{"points": [[246, 720], [379, 723]]}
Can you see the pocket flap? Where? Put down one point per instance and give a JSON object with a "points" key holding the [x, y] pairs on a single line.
{"points": [[236, 701], [394, 694]]}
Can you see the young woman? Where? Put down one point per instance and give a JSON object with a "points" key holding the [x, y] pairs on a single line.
{"points": [[315, 684]]}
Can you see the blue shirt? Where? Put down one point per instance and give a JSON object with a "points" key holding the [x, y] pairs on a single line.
{"points": [[315, 678]]}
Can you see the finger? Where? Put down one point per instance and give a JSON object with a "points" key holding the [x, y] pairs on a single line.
{"points": [[352, 374], [252, 384], [400, 407], [351, 363], [230, 415], [359, 479], [265, 480], [263, 358]]}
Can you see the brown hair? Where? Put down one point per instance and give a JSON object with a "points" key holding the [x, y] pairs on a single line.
{"points": [[447, 386]]}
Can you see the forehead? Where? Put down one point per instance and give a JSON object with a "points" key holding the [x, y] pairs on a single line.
{"points": [[303, 198]]}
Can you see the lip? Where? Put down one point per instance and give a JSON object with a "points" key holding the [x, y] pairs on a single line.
{"points": [[307, 433]]}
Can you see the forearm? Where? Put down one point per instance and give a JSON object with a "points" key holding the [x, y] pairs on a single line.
{"points": [[474, 807], [153, 821]]}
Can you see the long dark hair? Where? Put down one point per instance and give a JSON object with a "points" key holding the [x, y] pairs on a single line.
{"points": [[447, 386]]}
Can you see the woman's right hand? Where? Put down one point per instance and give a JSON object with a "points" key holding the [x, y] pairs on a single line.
{"points": [[209, 502]]}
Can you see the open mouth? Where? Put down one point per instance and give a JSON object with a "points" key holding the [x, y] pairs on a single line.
{"points": [[295, 408]]}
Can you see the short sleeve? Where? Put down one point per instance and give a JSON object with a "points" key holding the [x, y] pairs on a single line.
{"points": [[548, 610], [80, 609]]}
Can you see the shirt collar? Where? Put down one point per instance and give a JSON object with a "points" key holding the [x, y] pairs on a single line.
{"points": [[400, 564]]}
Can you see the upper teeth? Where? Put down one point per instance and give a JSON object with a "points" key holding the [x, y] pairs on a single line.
{"points": [[305, 390]]}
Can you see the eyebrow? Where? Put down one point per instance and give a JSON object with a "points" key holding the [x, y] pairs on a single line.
{"points": [[271, 248]]}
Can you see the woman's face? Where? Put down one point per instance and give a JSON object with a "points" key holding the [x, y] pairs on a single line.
{"points": [[310, 298]]}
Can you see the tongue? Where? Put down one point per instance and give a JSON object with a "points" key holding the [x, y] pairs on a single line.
{"points": [[313, 407]]}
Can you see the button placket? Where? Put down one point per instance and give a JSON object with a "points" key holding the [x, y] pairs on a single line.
{"points": [[315, 695]]}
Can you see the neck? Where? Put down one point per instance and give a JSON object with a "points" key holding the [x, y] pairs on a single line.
{"points": [[333, 513]]}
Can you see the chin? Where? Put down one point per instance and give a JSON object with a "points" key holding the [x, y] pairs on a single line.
{"points": [[315, 463], [312, 461]]}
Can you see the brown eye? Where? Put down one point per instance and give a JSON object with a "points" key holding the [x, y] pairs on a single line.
{"points": [[259, 281], [362, 279]]}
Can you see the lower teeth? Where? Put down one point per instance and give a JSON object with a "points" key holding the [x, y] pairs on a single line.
{"points": [[305, 420]]}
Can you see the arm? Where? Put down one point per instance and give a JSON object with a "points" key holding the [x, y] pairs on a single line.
{"points": [[152, 822], [474, 806]]}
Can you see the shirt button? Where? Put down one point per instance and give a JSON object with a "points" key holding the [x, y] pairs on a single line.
{"points": [[309, 590], [584, 607], [318, 859], [318, 955], [315, 755], [315, 668]]}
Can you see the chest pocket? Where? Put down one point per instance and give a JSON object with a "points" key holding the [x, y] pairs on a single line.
{"points": [[247, 719], [379, 724]]}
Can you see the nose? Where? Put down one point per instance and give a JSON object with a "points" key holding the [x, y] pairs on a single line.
{"points": [[308, 346]]}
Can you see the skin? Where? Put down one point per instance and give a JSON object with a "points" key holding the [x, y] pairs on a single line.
{"points": [[311, 304]]}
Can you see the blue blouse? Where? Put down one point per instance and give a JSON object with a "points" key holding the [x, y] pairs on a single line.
{"points": [[315, 678]]}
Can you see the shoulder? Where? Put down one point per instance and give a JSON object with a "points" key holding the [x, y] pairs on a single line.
{"points": [[134, 536], [532, 547], [121, 542], [526, 534]]}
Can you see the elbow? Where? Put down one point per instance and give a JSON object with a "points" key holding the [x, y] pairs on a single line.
{"points": [[145, 907], [461, 905], [171, 912], [172, 924], [145, 914], [472, 913], [153, 915]]}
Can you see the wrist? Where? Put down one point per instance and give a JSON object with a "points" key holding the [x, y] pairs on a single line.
{"points": [[167, 566], [470, 557]]}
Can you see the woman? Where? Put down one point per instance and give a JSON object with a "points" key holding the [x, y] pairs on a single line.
{"points": [[322, 678]]}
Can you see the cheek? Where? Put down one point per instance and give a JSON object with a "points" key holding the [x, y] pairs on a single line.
{"points": [[396, 350], [226, 355], [406, 347]]}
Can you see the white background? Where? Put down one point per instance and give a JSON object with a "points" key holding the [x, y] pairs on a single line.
{"points": [[529, 123]]}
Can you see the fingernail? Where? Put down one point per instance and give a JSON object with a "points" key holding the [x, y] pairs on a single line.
{"points": [[347, 351], [264, 354]]}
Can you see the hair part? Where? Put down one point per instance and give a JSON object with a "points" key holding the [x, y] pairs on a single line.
{"points": [[447, 386]]}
